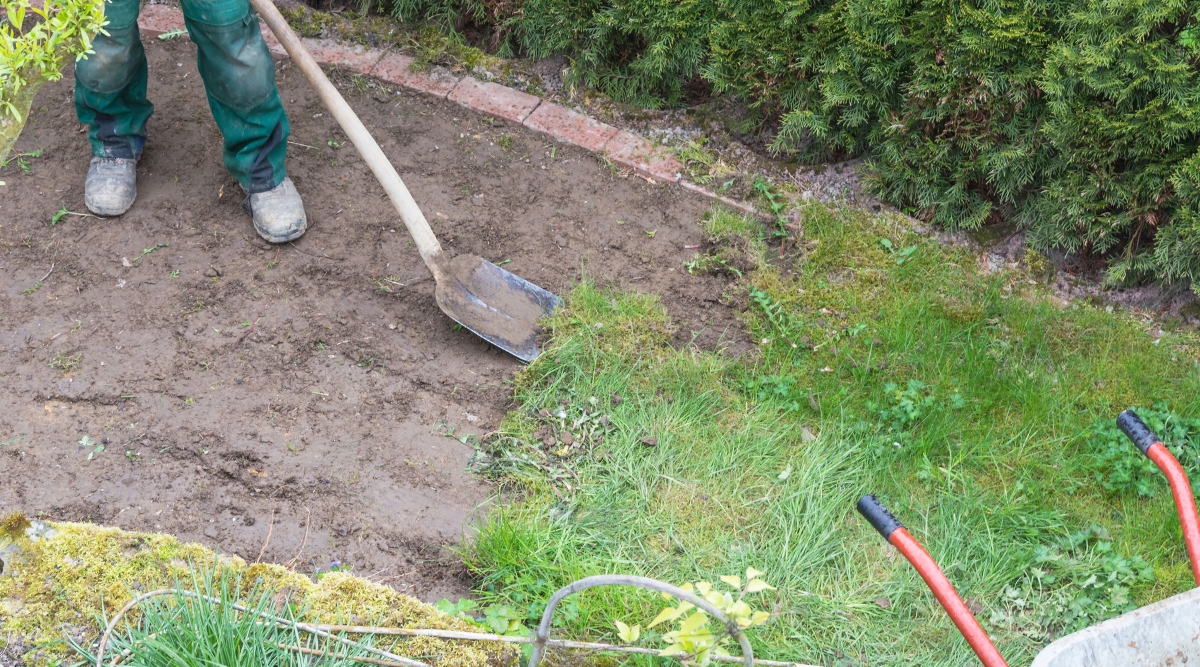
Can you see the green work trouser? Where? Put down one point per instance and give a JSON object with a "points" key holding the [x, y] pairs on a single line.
{"points": [[239, 78]]}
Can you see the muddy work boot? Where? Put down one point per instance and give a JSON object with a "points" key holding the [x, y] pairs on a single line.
{"points": [[111, 185], [278, 213]]}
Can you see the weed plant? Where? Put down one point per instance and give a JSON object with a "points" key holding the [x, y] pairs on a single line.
{"points": [[974, 403]]}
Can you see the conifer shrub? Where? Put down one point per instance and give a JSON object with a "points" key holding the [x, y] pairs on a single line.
{"points": [[1077, 119], [943, 96], [638, 51], [1124, 118]]}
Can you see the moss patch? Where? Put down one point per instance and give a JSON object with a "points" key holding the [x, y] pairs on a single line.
{"points": [[87, 572]]}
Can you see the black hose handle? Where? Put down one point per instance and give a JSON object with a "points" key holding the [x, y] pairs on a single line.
{"points": [[1136, 430], [878, 515]]}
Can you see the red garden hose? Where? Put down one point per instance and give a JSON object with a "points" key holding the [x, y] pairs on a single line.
{"points": [[895, 533], [1185, 504]]}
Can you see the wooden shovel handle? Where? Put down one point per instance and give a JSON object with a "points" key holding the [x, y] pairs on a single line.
{"points": [[410, 213]]}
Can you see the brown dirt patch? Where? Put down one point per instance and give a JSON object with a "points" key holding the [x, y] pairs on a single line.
{"points": [[241, 389]]}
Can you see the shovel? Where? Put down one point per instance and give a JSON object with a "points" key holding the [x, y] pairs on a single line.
{"points": [[496, 305]]}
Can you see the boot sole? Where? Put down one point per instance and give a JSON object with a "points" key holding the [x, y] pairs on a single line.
{"points": [[104, 214]]}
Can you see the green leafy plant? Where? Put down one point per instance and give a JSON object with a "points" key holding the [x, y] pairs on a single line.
{"points": [[1074, 582], [35, 44], [458, 609], [63, 212], [905, 407], [777, 389], [691, 638], [146, 251], [1120, 468], [775, 202], [22, 161], [65, 363], [902, 255]]}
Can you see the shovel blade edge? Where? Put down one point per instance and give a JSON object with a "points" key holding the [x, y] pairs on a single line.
{"points": [[494, 304]]}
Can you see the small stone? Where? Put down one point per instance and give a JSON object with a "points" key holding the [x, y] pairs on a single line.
{"points": [[617, 400], [211, 272], [650, 442], [884, 602]]}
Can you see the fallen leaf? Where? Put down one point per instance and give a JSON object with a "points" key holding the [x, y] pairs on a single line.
{"points": [[650, 442]]}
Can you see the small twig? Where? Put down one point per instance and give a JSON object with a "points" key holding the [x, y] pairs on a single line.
{"points": [[305, 252], [292, 563], [297, 143], [343, 656], [484, 637], [270, 528], [248, 331], [47, 273], [414, 281]]}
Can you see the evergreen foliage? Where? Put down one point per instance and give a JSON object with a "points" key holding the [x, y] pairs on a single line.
{"points": [[1124, 118], [1079, 119]]}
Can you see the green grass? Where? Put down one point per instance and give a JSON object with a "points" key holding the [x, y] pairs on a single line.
{"points": [[178, 630], [885, 363]]}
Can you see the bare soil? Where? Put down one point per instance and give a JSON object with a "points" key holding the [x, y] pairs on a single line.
{"points": [[295, 401]]}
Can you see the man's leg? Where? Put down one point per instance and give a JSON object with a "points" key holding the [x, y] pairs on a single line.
{"points": [[110, 97], [239, 77]]}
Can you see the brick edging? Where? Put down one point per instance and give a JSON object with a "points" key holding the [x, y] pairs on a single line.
{"points": [[565, 125]]}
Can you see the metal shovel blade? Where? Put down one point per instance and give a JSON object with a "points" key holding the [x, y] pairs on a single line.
{"points": [[497, 306]]}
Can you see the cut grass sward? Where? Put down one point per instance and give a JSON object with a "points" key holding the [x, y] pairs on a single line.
{"points": [[964, 399]]}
